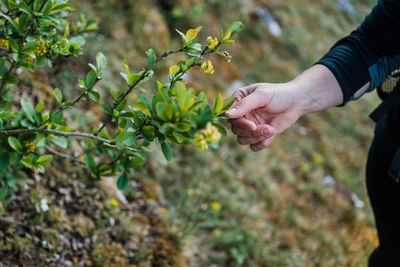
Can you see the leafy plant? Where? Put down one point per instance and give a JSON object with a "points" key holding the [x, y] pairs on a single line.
{"points": [[34, 33]]}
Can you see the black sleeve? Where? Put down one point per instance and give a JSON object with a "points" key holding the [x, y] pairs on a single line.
{"points": [[378, 36]]}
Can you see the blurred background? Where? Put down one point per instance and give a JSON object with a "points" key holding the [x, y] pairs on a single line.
{"points": [[301, 202]]}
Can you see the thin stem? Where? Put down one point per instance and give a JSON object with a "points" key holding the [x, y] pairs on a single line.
{"points": [[60, 109], [65, 134], [145, 73], [14, 63], [69, 158]]}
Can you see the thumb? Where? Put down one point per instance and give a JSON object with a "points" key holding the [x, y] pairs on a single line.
{"points": [[245, 105]]}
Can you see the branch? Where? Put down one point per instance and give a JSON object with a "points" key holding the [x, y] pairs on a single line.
{"points": [[60, 109], [14, 63], [69, 158], [145, 72], [65, 134]]}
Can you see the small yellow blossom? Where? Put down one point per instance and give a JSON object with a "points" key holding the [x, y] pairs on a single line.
{"points": [[41, 49], [227, 57], [213, 135], [215, 206], [30, 146], [217, 232], [30, 59], [4, 43], [212, 42], [207, 67], [206, 135], [190, 192], [113, 203], [305, 167], [318, 158], [200, 141], [16, 20]]}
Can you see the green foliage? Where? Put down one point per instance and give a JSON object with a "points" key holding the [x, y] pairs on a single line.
{"points": [[33, 34]]}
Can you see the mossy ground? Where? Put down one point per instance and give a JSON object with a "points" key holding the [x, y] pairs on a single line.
{"points": [[224, 207]]}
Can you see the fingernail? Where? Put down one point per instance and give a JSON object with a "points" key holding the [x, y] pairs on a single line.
{"points": [[231, 111], [264, 132]]}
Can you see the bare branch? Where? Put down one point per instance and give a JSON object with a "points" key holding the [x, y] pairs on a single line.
{"points": [[69, 158]]}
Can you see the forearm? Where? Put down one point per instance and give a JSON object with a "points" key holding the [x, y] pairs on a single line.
{"points": [[318, 89]]}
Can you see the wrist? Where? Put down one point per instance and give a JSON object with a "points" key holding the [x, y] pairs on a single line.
{"points": [[316, 89]]}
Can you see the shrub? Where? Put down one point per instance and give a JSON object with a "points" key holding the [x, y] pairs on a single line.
{"points": [[34, 33]]}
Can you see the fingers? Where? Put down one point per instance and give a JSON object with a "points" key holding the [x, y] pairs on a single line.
{"points": [[245, 140], [245, 91], [244, 124], [244, 105], [261, 130], [262, 145]]}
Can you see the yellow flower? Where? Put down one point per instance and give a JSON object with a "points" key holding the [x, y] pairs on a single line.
{"points": [[207, 67], [41, 49], [227, 56], [318, 158], [4, 43], [29, 146], [190, 192], [213, 135], [200, 140], [206, 135], [212, 42], [113, 203], [217, 232], [215, 206], [30, 59]]}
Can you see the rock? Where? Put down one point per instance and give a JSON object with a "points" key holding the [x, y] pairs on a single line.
{"points": [[358, 203], [272, 24], [346, 6]]}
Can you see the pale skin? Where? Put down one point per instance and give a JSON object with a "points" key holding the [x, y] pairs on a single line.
{"points": [[263, 110]]}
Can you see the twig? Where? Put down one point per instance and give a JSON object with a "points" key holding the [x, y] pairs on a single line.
{"points": [[69, 158], [65, 134], [60, 109], [14, 63], [145, 73]]}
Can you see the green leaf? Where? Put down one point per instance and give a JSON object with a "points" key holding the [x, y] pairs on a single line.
{"points": [[90, 163], [122, 181], [95, 96], [28, 109], [27, 161], [40, 61], [126, 139], [173, 70], [151, 58], [4, 161], [12, 4], [166, 149], [221, 129], [228, 103], [184, 40], [63, 7], [3, 192], [58, 95], [43, 160], [29, 47], [218, 104], [15, 143], [15, 25], [106, 109], [60, 141], [235, 27], [11, 79], [101, 62], [90, 79]]}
